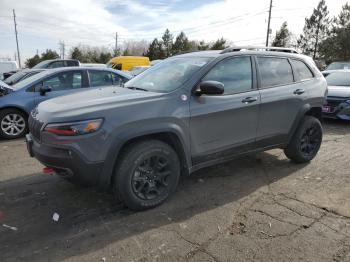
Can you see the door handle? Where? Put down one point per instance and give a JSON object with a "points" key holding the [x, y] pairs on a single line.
{"points": [[249, 99], [299, 91]]}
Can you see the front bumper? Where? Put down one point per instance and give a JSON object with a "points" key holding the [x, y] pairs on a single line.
{"points": [[65, 162], [337, 109]]}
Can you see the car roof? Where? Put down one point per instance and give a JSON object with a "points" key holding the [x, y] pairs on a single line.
{"points": [[59, 59], [217, 53], [82, 68]]}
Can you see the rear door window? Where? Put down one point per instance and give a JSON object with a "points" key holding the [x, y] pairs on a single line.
{"points": [[64, 81], [301, 71], [100, 78], [275, 71], [72, 63]]}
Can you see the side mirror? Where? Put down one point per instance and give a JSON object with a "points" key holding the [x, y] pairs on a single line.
{"points": [[210, 88], [44, 90]]}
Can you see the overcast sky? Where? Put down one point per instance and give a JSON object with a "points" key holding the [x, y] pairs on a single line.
{"points": [[43, 23]]}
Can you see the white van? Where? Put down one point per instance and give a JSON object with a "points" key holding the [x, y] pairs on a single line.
{"points": [[7, 66]]}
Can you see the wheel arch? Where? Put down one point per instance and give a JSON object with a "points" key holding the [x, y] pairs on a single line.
{"points": [[309, 110], [170, 136], [16, 108]]}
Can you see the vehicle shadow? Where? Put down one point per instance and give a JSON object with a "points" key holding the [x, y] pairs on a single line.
{"points": [[90, 220], [336, 127]]}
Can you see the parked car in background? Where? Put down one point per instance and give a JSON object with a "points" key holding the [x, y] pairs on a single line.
{"points": [[136, 70], [56, 63], [126, 63], [93, 65], [17, 101], [21, 75], [338, 66], [338, 98], [186, 113], [7, 66]]}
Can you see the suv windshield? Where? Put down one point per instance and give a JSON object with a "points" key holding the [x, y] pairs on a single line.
{"points": [[338, 79], [168, 75], [338, 65]]}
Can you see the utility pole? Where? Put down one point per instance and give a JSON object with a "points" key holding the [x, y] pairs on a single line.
{"points": [[116, 42], [14, 20], [62, 46], [268, 25]]}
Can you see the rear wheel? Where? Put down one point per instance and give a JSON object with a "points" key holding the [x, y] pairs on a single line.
{"points": [[13, 123], [306, 141], [147, 174]]}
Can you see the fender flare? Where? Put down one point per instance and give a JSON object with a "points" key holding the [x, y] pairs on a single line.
{"points": [[124, 137], [302, 112]]}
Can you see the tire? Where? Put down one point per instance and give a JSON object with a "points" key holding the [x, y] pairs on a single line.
{"points": [[306, 141], [13, 123], [146, 175]]}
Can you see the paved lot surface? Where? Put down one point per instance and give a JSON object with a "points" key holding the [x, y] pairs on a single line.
{"points": [[258, 208]]}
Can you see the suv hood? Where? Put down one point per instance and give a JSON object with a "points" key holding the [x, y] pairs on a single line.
{"points": [[93, 100], [339, 91]]}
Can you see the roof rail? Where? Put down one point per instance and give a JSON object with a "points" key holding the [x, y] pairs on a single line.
{"points": [[259, 48]]}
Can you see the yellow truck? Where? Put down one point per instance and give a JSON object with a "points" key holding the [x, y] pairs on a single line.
{"points": [[126, 63]]}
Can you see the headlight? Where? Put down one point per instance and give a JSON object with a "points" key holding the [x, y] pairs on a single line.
{"points": [[74, 128]]}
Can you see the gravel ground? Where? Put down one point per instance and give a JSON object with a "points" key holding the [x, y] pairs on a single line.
{"points": [[256, 208]]}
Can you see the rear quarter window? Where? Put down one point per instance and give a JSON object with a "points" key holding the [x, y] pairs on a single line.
{"points": [[275, 71], [301, 70]]}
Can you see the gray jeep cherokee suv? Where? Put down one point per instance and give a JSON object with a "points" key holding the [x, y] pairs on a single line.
{"points": [[188, 112]]}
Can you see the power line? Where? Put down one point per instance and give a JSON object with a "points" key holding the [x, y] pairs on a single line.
{"points": [[14, 21]]}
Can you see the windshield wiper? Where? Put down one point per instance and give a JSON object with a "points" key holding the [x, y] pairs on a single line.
{"points": [[137, 88]]}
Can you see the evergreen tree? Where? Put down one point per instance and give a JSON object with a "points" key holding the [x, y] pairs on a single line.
{"points": [[49, 54], [181, 44], [77, 54], [315, 30], [30, 62], [167, 43], [336, 46], [155, 50], [282, 37], [219, 44], [105, 57], [202, 45]]}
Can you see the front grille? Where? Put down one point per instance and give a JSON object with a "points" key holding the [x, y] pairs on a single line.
{"points": [[35, 127]]}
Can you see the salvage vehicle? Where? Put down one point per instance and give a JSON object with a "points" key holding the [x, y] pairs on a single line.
{"points": [[56, 63], [338, 98], [21, 75], [126, 63], [18, 100], [47, 64], [188, 112], [338, 66]]}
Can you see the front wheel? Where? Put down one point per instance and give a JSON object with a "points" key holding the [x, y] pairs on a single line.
{"points": [[306, 141], [13, 123], [147, 174]]}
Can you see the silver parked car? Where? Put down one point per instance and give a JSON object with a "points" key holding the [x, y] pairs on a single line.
{"points": [[338, 99]]}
